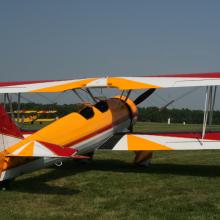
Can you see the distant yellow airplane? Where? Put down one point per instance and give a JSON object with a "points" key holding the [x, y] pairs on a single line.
{"points": [[26, 116], [32, 116], [105, 124], [46, 116]]}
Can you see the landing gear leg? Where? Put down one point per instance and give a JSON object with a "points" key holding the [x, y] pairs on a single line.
{"points": [[143, 158]]}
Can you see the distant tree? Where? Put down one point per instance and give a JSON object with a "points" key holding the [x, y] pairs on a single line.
{"points": [[154, 114]]}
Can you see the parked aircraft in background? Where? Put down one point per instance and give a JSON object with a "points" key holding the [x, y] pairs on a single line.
{"points": [[34, 116]]}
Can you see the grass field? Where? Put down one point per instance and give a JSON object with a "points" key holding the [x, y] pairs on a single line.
{"points": [[154, 127], [179, 185]]}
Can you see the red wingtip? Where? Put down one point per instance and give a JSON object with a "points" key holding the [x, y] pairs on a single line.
{"points": [[7, 126]]}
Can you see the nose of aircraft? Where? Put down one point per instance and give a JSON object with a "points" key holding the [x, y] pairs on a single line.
{"points": [[132, 107]]}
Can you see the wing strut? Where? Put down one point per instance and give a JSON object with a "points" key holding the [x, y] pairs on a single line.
{"points": [[19, 108], [209, 107], [212, 104], [77, 94], [205, 117], [4, 101], [9, 99], [125, 97], [91, 95], [128, 94]]}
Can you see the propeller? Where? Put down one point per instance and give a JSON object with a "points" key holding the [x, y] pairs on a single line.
{"points": [[144, 96]]}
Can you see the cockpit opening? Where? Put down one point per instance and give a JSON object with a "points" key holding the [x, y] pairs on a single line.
{"points": [[87, 112]]}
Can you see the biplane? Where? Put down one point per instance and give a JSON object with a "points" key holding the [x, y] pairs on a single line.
{"points": [[34, 116], [103, 124]]}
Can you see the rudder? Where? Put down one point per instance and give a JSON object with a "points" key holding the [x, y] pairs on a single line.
{"points": [[9, 132]]}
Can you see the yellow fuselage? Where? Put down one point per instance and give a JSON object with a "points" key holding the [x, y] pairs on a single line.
{"points": [[84, 131]]}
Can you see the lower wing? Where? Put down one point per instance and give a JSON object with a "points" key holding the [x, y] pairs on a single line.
{"points": [[42, 149], [166, 141]]}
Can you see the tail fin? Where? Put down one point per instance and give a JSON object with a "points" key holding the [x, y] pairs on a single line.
{"points": [[9, 132]]}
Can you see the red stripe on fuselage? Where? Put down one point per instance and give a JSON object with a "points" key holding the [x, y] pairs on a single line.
{"points": [[99, 131]]}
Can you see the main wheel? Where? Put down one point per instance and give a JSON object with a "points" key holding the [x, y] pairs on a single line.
{"points": [[5, 184]]}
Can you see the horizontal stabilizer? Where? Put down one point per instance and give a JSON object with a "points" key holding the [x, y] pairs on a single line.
{"points": [[41, 149]]}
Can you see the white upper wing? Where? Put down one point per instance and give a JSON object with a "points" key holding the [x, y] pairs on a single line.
{"points": [[122, 83]]}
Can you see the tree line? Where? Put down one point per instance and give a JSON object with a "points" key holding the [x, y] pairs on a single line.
{"points": [[155, 114], [146, 114]]}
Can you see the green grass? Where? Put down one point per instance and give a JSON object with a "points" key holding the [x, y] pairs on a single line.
{"points": [[150, 126], [179, 185]]}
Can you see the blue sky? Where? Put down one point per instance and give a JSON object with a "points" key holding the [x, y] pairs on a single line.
{"points": [[50, 39]]}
